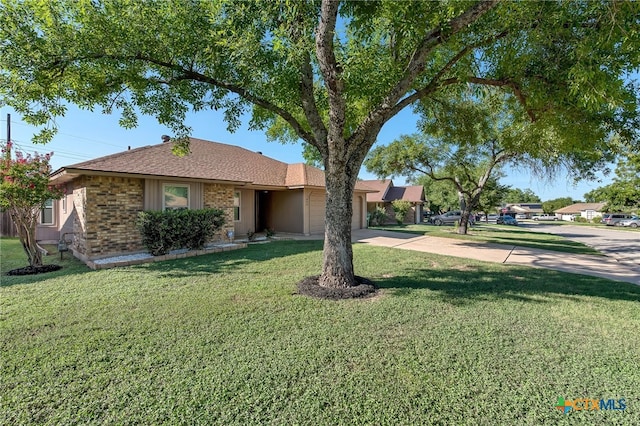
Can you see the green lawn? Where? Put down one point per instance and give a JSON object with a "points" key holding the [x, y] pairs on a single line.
{"points": [[499, 234], [224, 339]]}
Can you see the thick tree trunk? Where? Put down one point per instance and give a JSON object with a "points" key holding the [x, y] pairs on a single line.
{"points": [[463, 226], [337, 267]]}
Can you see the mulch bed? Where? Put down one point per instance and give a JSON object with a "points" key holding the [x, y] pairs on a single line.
{"points": [[31, 270], [310, 287]]}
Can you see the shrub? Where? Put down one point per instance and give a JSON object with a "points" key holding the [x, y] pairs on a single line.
{"points": [[175, 229], [581, 219], [400, 208], [378, 216]]}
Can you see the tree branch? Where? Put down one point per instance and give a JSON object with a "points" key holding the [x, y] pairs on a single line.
{"points": [[329, 67], [189, 74], [416, 65], [310, 108], [505, 83]]}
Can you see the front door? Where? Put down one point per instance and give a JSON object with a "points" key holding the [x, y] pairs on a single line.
{"points": [[263, 209]]}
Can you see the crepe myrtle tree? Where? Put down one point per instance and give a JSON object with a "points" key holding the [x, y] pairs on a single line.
{"points": [[24, 190], [328, 73]]}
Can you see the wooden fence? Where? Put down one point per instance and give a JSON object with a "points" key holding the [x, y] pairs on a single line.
{"points": [[7, 228]]}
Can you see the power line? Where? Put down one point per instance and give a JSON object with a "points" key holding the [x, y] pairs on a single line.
{"points": [[70, 135]]}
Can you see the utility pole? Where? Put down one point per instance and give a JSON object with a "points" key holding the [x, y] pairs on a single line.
{"points": [[8, 148]]}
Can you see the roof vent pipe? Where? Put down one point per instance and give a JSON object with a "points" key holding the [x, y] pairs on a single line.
{"points": [[165, 138]]}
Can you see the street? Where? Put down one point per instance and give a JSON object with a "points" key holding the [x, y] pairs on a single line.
{"points": [[624, 246]]}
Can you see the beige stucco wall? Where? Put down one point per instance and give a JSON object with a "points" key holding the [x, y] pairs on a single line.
{"points": [[286, 213]]}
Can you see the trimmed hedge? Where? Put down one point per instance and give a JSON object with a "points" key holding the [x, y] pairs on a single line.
{"points": [[177, 229]]}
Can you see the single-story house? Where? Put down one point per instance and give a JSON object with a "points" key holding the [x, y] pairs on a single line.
{"points": [[385, 193], [104, 195], [587, 210], [527, 209]]}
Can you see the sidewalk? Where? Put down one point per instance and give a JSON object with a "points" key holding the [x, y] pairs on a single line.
{"points": [[599, 266]]}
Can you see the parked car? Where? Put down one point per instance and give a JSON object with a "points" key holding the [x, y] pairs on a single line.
{"points": [[507, 220], [614, 219], [448, 218], [545, 217], [521, 216], [492, 218], [634, 222]]}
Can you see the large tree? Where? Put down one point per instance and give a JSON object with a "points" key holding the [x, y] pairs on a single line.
{"points": [[623, 194], [466, 140], [326, 72], [517, 195]]}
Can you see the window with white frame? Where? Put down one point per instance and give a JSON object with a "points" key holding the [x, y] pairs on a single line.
{"points": [[46, 214], [236, 206], [175, 197]]}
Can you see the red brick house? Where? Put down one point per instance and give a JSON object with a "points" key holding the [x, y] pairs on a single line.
{"points": [[105, 195], [385, 193]]}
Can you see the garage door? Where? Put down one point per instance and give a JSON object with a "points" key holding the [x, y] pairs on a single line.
{"points": [[356, 219], [316, 214], [317, 205]]}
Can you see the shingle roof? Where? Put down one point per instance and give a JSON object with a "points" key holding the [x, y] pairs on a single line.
{"points": [[208, 161], [387, 192], [380, 186], [580, 207]]}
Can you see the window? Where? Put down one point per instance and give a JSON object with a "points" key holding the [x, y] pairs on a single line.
{"points": [[175, 197], [46, 215], [236, 206], [64, 204]]}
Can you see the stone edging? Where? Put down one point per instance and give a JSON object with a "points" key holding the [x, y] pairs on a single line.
{"points": [[191, 253]]}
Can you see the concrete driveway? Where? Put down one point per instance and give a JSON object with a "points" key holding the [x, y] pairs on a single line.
{"points": [[599, 266], [622, 245]]}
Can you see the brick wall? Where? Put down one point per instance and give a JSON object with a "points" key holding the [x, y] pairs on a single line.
{"points": [[218, 196], [107, 208]]}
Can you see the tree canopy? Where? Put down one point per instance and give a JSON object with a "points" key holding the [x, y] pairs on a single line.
{"points": [[328, 73], [623, 194], [517, 195]]}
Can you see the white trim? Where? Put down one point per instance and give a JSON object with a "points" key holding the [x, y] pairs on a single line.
{"points": [[239, 206], [53, 216]]}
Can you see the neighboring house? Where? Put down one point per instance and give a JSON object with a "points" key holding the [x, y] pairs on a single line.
{"points": [[386, 193], [527, 209], [587, 210], [105, 195]]}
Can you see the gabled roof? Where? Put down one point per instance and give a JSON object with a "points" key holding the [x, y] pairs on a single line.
{"points": [[210, 161], [526, 207], [581, 207], [380, 186], [388, 193]]}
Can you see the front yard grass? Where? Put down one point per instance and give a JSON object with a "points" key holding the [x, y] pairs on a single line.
{"points": [[223, 339], [498, 234]]}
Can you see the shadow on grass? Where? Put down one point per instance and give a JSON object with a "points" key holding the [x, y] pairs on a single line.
{"points": [[232, 260], [70, 266], [473, 283], [205, 264]]}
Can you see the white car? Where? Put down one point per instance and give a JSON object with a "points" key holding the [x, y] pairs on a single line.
{"points": [[634, 222], [492, 218]]}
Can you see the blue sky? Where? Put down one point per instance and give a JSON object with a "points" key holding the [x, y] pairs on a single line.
{"points": [[83, 135]]}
